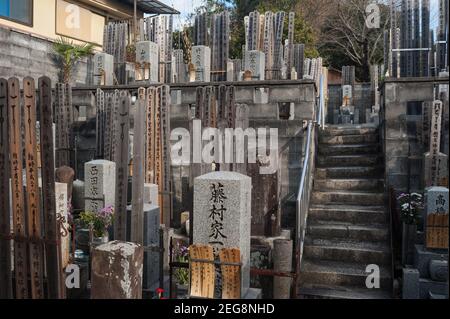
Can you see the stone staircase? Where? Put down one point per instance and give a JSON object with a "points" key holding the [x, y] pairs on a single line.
{"points": [[347, 222]]}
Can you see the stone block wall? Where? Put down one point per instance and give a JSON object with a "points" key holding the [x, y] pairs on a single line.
{"points": [[23, 54], [401, 129]]}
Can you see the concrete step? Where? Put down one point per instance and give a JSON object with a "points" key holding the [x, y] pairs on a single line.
{"points": [[342, 230], [340, 274], [348, 213], [348, 160], [314, 291], [339, 130], [348, 197], [347, 149], [348, 172], [349, 184], [347, 251], [349, 139]]}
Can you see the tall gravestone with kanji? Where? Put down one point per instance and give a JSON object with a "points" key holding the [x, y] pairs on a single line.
{"points": [[100, 182], [436, 163], [201, 60], [222, 214], [437, 217]]}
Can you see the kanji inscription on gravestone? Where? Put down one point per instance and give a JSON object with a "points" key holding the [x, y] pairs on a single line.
{"points": [[437, 217]]}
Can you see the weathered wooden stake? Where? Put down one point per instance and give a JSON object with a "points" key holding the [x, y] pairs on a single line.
{"points": [[55, 282], [19, 221], [121, 159], [5, 224], [32, 194]]}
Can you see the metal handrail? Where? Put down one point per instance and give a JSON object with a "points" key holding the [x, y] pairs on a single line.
{"points": [[307, 178]]}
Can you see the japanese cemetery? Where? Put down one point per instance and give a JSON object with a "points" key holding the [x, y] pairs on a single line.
{"points": [[258, 150]]}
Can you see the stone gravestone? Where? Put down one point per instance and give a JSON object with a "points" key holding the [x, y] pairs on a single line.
{"points": [[201, 59], [255, 63], [147, 61], [61, 196], [151, 228], [222, 214], [437, 217], [78, 195], [266, 213], [103, 69], [347, 95], [100, 181], [117, 271], [436, 163]]}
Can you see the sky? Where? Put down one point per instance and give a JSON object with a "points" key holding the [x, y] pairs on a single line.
{"points": [[187, 6]]}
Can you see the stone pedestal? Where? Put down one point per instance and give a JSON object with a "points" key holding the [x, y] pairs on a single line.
{"points": [[282, 262], [100, 181], [411, 286], [151, 239], [222, 205], [117, 271]]}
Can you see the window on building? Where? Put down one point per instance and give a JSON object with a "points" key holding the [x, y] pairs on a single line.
{"points": [[17, 10]]}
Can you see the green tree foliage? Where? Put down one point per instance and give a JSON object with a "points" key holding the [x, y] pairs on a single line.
{"points": [[68, 54], [241, 8]]}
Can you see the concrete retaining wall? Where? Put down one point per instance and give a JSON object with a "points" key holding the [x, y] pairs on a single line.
{"points": [[24, 55], [401, 129]]}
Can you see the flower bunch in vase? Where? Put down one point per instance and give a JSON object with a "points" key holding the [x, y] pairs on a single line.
{"points": [[411, 206], [98, 222]]}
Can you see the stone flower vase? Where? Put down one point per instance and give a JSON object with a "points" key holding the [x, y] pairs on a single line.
{"points": [[408, 241], [97, 241], [182, 291]]}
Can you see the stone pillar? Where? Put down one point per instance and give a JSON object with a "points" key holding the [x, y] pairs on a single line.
{"points": [[266, 212], [201, 59], [151, 228], [151, 194], [100, 181], [117, 271], [222, 205], [436, 163], [282, 262], [78, 195]]}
